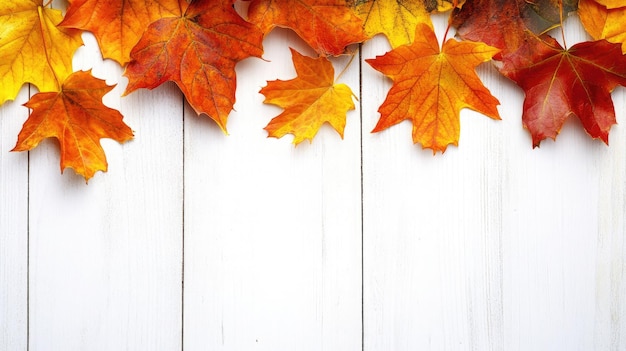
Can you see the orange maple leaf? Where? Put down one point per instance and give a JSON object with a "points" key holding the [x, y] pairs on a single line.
{"points": [[76, 117], [310, 100], [32, 48], [198, 50], [602, 22], [328, 26], [118, 24], [431, 86]]}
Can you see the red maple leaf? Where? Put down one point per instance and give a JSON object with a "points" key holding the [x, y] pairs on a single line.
{"points": [[507, 24], [560, 82]]}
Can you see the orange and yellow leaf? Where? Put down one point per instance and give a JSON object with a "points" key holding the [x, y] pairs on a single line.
{"points": [[328, 26], [310, 100], [118, 24], [78, 119], [604, 23], [397, 19], [198, 50], [431, 86]]}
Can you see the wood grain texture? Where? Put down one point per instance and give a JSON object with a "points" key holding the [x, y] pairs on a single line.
{"points": [[13, 228], [195, 240], [432, 232], [106, 258], [493, 245], [272, 231]]}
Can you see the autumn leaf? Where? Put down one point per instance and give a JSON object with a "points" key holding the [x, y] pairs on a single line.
{"points": [[611, 4], [602, 22], [431, 86], [397, 19], [76, 117], [32, 48], [198, 50], [560, 82], [118, 24], [310, 100], [507, 24], [328, 26]]}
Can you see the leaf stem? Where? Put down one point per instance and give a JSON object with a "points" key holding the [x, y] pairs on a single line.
{"points": [[48, 3], [455, 4], [445, 35], [346, 66], [561, 20]]}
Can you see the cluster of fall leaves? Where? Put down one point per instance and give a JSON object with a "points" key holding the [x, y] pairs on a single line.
{"points": [[197, 44]]}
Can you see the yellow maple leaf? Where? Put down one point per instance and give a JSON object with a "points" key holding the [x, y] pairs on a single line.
{"points": [[32, 48], [604, 22], [397, 19], [432, 85], [310, 100]]}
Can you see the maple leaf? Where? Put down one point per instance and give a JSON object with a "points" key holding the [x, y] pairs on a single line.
{"points": [[32, 48], [602, 22], [118, 24], [507, 24], [560, 82], [397, 19], [310, 100], [328, 26], [75, 116], [431, 86], [198, 50]]}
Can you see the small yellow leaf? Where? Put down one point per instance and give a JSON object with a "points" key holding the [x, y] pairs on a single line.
{"points": [[310, 100]]}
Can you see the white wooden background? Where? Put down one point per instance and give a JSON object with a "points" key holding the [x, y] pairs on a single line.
{"points": [[198, 241]]}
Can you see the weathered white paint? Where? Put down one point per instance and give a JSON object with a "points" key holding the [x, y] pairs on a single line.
{"points": [[13, 228], [272, 231], [199, 241], [494, 245]]}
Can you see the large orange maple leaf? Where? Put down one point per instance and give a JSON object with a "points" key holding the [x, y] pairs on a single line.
{"points": [[431, 86], [118, 24], [328, 26], [75, 116], [310, 100], [561, 82], [198, 50], [32, 48]]}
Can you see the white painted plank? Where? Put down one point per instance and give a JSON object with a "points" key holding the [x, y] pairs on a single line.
{"points": [[13, 227], [106, 258], [272, 232], [492, 245], [610, 255], [556, 261], [432, 231]]}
